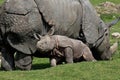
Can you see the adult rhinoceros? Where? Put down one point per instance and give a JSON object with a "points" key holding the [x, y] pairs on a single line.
{"points": [[20, 19]]}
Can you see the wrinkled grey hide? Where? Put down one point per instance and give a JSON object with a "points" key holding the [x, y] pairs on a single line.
{"points": [[20, 19]]}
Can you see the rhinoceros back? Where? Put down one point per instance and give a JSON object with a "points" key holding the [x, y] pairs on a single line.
{"points": [[64, 15], [19, 6]]}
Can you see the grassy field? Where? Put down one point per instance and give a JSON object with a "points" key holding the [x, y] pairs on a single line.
{"points": [[1, 1], [100, 70], [96, 2]]}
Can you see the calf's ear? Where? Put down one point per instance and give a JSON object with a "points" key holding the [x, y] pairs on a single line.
{"points": [[37, 36], [51, 31]]}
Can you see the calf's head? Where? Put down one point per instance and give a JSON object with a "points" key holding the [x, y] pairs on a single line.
{"points": [[45, 43]]}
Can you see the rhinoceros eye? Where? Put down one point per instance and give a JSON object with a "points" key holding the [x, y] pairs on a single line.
{"points": [[106, 34], [105, 31]]}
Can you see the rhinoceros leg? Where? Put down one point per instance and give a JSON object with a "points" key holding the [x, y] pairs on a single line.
{"points": [[53, 62], [7, 59], [87, 54], [23, 61], [69, 55]]}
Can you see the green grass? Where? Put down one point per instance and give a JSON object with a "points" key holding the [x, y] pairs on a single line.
{"points": [[100, 70], [1, 1], [96, 2]]}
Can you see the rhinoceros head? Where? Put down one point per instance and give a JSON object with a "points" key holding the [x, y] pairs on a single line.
{"points": [[45, 43], [103, 43]]}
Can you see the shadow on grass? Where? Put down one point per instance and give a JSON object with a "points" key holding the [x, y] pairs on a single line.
{"points": [[40, 66], [34, 66]]}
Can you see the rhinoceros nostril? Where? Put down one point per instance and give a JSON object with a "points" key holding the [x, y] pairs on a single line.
{"points": [[39, 46]]}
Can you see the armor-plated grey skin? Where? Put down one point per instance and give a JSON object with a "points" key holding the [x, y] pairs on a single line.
{"points": [[20, 19], [62, 47]]}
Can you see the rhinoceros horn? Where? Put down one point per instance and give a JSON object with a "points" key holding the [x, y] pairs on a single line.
{"points": [[110, 24], [114, 47]]}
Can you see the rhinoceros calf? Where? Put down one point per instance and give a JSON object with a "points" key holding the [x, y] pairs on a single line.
{"points": [[62, 48]]}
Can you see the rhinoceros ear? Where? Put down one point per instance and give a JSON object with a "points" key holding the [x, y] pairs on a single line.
{"points": [[23, 44], [110, 24], [51, 31], [37, 36]]}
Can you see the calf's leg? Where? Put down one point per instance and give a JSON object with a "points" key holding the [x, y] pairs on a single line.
{"points": [[53, 62], [87, 54], [69, 55]]}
